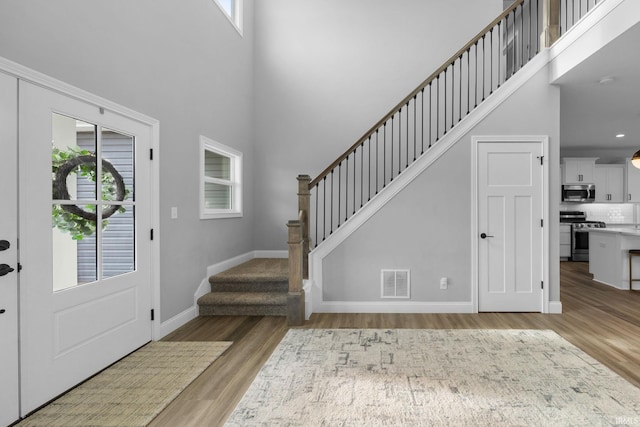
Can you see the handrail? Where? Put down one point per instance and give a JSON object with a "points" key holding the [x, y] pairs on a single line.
{"points": [[430, 111], [415, 92]]}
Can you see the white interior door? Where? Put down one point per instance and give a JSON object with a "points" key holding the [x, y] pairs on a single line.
{"points": [[9, 391], [510, 212], [85, 292]]}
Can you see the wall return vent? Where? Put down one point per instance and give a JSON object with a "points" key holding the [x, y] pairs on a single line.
{"points": [[395, 283]]}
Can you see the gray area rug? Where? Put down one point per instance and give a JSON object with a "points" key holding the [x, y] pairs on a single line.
{"points": [[404, 377]]}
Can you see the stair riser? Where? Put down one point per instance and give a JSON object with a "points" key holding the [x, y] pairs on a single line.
{"points": [[250, 287], [243, 310]]}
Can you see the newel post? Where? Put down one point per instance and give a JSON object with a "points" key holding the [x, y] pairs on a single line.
{"points": [[550, 22], [295, 298], [304, 197]]}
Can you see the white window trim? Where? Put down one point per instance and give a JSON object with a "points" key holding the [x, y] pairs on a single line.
{"points": [[236, 19], [207, 144]]}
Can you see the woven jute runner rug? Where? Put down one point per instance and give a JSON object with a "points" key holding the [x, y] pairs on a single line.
{"points": [[132, 391], [404, 377]]}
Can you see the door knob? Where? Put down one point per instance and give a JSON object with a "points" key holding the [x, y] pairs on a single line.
{"points": [[484, 235], [5, 269], [4, 245]]}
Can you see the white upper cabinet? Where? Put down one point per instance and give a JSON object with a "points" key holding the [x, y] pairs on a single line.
{"points": [[579, 170], [633, 183], [609, 181]]}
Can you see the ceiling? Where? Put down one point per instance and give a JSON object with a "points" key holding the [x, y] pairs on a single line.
{"points": [[593, 113]]}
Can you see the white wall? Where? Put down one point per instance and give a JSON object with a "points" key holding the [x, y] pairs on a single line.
{"points": [[182, 63], [327, 70], [432, 238]]}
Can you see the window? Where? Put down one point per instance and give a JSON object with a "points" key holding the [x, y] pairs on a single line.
{"points": [[233, 11], [93, 226], [220, 180]]}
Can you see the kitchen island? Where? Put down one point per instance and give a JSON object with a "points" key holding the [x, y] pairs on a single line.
{"points": [[609, 256]]}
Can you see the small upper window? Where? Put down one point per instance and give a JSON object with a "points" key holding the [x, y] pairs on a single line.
{"points": [[232, 10], [220, 180]]}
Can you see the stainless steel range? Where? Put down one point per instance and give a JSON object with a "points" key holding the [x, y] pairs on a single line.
{"points": [[579, 233], [580, 239], [572, 216]]}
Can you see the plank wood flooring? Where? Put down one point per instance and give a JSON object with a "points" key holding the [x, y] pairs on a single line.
{"points": [[602, 321]]}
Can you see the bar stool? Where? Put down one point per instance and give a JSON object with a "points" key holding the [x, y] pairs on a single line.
{"points": [[632, 253]]}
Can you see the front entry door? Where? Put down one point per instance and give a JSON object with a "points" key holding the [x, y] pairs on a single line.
{"points": [[510, 212], [9, 394], [85, 293]]}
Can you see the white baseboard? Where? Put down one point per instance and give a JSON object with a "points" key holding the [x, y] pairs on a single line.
{"points": [[221, 266], [271, 254], [394, 307], [178, 320], [555, 307]]}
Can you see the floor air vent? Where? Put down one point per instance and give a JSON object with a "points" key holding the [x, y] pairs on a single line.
{"points": [[395, 284]]}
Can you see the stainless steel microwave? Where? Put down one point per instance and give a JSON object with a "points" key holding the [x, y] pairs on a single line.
{"points": [[581, 193]]}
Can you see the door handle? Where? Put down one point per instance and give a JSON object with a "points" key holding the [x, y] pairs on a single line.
{"points": [[5, 269], [484, 236], [4, 245]]}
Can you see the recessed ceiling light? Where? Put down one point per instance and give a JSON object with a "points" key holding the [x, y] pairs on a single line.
{"points": [[606, 80], [620, 135]]}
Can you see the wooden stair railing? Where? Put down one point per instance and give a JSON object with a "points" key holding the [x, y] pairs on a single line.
{"points": [[299, 247], [424, 116], [295, 298]]}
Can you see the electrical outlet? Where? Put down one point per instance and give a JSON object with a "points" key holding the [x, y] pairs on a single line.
{"points": [[444, 283]]}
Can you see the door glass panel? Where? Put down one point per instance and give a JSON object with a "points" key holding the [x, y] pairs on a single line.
{"points": [[118, 243], [82, 251], [118, 156], [74, 248], [73, 159]]}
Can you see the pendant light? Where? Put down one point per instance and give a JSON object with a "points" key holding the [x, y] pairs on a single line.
{"points": [[635, 160]]}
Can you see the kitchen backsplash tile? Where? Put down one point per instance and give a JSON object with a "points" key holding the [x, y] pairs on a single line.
{"points": [[611, 213]]}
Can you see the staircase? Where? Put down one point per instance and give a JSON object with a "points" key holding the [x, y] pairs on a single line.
{"points": [[258, 287], [412, 128]]}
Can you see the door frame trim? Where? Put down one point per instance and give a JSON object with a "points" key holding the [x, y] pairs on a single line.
{"points": [[475, 142], [37, 78]]}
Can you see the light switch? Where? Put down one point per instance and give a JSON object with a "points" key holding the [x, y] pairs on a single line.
{"points": [[174, 212]]}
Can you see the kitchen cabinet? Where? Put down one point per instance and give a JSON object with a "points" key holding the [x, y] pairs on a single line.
{"points": [[633, 183], [608, 255], [579, 170], [609, 181], [565, 242]]}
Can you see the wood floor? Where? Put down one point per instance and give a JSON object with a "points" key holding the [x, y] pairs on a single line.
{"points": [[602, 321]]}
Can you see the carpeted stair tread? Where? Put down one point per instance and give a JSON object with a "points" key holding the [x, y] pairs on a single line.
{"points": [[281, 286], [243, 304], [255, 270], [257, 287], [243, 298], [243, 310]]}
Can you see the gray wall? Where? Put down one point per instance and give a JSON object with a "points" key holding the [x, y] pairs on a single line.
{"points": [[432, 238], [327, 70], [181, 62], [311, 79]]}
